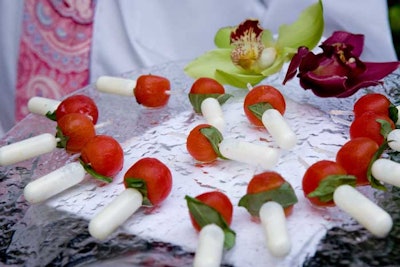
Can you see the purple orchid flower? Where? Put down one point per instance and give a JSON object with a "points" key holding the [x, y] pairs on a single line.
{"points": [[337, 71]]}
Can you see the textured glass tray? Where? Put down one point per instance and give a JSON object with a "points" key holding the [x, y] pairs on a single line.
{"points": [[55, 232]]}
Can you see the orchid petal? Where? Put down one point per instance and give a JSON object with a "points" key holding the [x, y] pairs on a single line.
{"points": [[378, 70], [206, 65], [355, 40], [222, 38], [237, 79], [306, 31], [295, 63], [323, 86], [267, 38]]}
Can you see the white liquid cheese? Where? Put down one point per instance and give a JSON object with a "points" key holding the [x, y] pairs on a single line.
{"points": [[273, 220], [212, 113], [279, 129], [367, 213], [386, 171], [254, 154], [115, 213], [210, 247], [41, 105], [26, 149], [54, 183], [115, 85]]}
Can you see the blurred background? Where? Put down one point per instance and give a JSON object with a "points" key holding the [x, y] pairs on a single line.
{"points": [[394, 18]]}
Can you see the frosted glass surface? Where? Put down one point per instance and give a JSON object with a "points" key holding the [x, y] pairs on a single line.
{"points": [[161, 133]]}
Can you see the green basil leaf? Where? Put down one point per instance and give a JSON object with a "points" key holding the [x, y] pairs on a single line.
{"points": [[258, 109], [283, 195], [204, 214], [197, 99], [63, 138], [140, 185], [327, 186], [386, 127], [375, 183], [393, 113], [51, 115], [215, 137], [95, 174]]}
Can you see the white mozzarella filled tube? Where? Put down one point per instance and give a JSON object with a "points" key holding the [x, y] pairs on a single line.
{"points": [[367, 213], [26, 149], [279, 128], [116, 85], [212, 113], [210, 247], [115, 213], [393, 139], [41, 105], [273, 220], [55, 182], [246, 152], [386, 171]]}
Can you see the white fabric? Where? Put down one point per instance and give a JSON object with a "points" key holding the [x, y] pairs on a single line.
{"points": [[10, 29], [129, 34]]}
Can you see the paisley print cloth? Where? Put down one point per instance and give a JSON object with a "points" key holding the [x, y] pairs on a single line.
{"points": [[54, 49]]}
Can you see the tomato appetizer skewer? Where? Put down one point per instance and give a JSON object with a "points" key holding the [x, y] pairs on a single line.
{"points": [[211, 214], [264, 106], [95, 153], [149, 90], [206, 96], [202, 143], [147, 182], [271, 198], [326, 183]]}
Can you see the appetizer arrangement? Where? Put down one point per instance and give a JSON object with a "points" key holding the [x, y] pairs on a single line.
{"points": [[239, 171]]}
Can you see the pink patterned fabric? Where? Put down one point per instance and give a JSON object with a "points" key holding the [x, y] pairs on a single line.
{"points": [[54, 49]]}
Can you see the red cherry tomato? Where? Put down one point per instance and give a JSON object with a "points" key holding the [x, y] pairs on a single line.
{"points": [[78, 129], [263, 94], [104, 154], [220, 202], [374, 102], [155, 174], [266, 181], [355, 157], [198, 146], [315, 174], [78, 104], [206, 85], [152, 91], [366, 125]]}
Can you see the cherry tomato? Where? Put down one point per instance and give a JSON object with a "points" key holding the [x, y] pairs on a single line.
{"points": [[220, 202], [152, 91], [266, 181], [374, 102], [355, 156], [155, 174], [77, 129], [104, 154], [263, 94], [206, 85], [198, 145], [78, 104], [315, 174], [366, 125]]}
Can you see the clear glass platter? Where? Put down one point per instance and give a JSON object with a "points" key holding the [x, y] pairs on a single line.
{"points": [[55, 233]]}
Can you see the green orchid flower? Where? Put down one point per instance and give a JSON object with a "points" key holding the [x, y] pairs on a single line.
{"points": [[247, 54]]}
